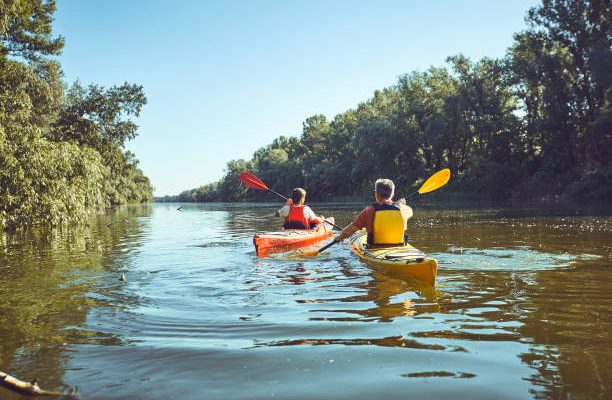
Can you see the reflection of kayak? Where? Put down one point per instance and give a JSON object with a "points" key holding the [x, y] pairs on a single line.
{"points": [[398, 261], [273, 242]]}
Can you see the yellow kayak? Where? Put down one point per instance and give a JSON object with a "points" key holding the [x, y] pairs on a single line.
{"points": [[398, 261]]}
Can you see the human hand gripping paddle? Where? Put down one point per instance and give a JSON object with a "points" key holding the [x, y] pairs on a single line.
{"points": [[254, 182], [434, 182]]}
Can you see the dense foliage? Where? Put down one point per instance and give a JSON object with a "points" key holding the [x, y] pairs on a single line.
{"points": [[535, 124], [61, 151]]}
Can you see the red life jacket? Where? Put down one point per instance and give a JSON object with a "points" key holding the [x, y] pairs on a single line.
{"points": [[296, 218]]}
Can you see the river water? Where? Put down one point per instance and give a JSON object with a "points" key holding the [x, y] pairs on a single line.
{"points": [[522, 309]]}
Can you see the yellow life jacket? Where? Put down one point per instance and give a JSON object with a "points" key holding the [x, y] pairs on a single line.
{"points": [[388, 225]]}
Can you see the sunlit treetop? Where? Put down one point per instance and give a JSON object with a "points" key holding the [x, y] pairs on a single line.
{"points": [[25, 29]]}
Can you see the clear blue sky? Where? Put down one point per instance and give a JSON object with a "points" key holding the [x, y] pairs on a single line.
{"points": [[225, 78]]}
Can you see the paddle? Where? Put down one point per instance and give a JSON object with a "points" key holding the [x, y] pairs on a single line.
{"points": [[434, 182], [254, 182]]}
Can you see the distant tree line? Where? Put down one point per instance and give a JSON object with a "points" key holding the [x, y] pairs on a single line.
{"points": [[533, 124], [61, 148]]}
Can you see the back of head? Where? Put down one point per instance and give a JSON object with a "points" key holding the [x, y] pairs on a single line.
{"points": [[385, 188], [297, 195]]}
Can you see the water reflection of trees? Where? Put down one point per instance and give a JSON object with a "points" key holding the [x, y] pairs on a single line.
{"points": [[564, 313], [561, 316], [569, 320], [48, 278]]}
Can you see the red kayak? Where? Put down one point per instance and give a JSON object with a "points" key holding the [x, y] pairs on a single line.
{"points": [[274, 242]]}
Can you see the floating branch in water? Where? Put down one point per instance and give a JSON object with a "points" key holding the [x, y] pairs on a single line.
{"points": [[32, 388], [180, 208]]}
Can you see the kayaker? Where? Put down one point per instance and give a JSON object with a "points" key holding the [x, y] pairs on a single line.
{"points": [[385, 220], [296, 214]]}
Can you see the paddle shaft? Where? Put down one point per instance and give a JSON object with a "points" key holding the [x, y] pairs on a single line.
{"points": [[278, 194], [327, 246], [411, 195]]}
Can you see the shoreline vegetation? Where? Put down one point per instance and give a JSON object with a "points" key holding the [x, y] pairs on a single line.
{"points": [[500, 209], [62, 153], [532, 127]]}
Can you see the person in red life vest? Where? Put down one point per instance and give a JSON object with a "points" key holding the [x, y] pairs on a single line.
{"points": [[385, 221], [296, 214]]}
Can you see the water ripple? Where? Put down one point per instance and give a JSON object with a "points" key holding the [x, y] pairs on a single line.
{"points": [[521, 309]]}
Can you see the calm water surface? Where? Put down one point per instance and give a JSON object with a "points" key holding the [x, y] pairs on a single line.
{"points": [[522, 309]]}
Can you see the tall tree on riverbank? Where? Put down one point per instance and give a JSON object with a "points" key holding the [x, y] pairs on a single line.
{"points": [[562, 66], [46, 173], [96, 117]]}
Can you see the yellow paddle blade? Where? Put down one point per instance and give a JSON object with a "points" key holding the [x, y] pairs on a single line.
{"points": [[436, 181]]}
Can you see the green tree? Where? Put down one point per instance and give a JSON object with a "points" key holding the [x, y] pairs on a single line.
{"points": [[230, 188], [25, 29], [52, 146], [40, 181], [562, 67], [487, 110], [99, 117]]}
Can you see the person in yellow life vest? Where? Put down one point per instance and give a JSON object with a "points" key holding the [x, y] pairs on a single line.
{"points": [[385, 221], [296, 214]]}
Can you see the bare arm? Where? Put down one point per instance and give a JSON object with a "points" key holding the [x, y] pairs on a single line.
{"points": [[406, 209], [346, 232]]}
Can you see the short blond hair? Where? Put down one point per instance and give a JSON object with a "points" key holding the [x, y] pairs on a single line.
{"points": [[385, 188]]}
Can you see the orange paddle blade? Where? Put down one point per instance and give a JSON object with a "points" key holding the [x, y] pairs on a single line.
{"points": [[435, 181], [252, 181]]}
